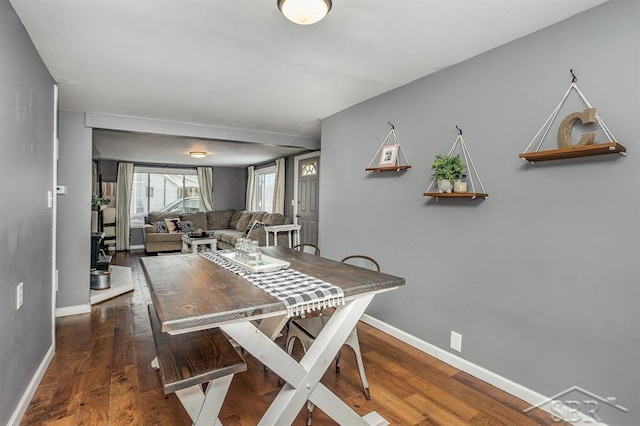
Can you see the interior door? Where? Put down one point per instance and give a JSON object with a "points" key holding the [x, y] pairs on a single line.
{"points": [[308, 198]]}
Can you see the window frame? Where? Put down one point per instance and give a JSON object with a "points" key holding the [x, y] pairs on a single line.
{"points": [[181, 173], [259, 179]]}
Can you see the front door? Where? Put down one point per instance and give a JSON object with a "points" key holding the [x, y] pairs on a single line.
{"points": [[308, 197]]}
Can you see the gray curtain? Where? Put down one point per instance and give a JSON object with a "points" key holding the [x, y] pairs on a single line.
{"points": [[251, 177], [278, 192], [205, 180], [123, 189]]}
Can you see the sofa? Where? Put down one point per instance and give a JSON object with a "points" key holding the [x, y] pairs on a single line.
{"points": [[224, 225]]}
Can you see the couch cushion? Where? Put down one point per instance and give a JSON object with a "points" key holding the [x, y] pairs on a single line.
{"points": [[229, 236], [257, 217], [233, 222], [245, 219], [199, 219], [161, 216], [274, 219], [219, 219]]}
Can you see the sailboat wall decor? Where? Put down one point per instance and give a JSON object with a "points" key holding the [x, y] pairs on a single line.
{"points": [[585, 147]]}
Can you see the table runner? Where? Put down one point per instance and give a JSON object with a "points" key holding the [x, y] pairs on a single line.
{"points": [[298, 291]]}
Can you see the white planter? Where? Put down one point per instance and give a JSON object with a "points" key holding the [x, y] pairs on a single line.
{"points": [[445, 185]]}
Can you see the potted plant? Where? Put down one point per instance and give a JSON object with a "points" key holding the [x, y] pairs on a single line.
{"points": [[99, 203], [445, 170]]}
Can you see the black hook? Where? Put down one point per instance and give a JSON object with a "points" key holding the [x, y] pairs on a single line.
{"points": [[574, 79], [459, 130], [392, 126]]}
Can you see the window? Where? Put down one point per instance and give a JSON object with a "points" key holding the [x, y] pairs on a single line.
{"points": [[264, 185], [164, 190], [310, 169]]}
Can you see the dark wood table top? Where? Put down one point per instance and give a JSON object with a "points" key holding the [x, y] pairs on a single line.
{"points": [[190, 292]]}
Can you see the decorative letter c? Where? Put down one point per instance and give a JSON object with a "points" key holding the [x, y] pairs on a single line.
{"points": [[564, 131]]}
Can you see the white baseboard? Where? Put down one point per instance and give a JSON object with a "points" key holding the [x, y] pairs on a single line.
{"points": [[532, 397], [137, 247], [72, 310], [15, 418]]}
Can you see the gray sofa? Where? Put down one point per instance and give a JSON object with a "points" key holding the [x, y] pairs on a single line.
{"points": [[225, 225]]}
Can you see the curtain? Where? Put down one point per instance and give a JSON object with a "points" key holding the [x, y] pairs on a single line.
{"points": [[278, 191], [205, 180], [123, 189], [250, 183]]}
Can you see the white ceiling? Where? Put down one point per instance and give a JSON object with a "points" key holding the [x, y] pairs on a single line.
{"points": [[163, 149], [240, 64]]}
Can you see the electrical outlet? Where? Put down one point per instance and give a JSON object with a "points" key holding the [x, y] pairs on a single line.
{"points": [[456, 341], [19, 295]]}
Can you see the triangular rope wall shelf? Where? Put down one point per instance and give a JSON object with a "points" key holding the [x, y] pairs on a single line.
{"points": [[585, 147], [471, 168], [390, 155]]}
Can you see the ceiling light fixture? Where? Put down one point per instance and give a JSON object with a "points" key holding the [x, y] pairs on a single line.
{"points": [[198, 154], [304, 12]]}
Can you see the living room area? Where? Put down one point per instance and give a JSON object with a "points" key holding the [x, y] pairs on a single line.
{"points": [[511, 301]]}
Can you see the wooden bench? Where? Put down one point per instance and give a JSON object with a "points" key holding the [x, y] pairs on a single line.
{"points": [[187, 361]]}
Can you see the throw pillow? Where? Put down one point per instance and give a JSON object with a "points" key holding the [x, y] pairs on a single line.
{"points": [[186, 226], [173, 225], [160, 227], [244, 220], [254, 225]]}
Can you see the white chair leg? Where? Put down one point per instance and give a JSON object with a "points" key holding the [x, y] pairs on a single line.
{"points": [[353, 342]]}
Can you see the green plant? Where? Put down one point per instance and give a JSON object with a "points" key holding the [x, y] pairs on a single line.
{"points": [[445, 167], [99, 201]]}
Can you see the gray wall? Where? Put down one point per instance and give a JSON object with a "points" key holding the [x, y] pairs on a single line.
{"points": [[74, 210], [541, 279], [108, 169], [26, 170], [229, 188]]}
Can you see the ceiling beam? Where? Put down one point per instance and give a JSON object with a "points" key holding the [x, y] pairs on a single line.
{"points": [[146, 125]]}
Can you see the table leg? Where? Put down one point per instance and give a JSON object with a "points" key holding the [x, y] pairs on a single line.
{"points": [[204, 407], [272, 326], [303, 378]]}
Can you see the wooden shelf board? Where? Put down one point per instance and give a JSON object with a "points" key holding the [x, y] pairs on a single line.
{"points": [[471, 195], [387, 168], [574, 152]]}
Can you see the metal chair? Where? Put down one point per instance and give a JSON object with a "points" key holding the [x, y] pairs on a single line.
{"points": [[362, 261], [308, 248], [307, 329]]}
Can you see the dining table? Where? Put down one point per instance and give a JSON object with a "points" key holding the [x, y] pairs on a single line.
{"points": [[190, 293]]}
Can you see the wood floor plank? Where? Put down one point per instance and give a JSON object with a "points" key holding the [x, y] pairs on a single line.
{"points": [[160, 409], [539, 416], [93, 410], [148, 377], [101, 375], [426, 388], [438, 413], [125, 407]]}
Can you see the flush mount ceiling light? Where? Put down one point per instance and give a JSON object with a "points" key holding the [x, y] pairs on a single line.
{"points": [[198, 154], [304, 12]]}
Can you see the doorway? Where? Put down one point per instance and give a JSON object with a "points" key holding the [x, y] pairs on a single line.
{"points": [[306, 201]]}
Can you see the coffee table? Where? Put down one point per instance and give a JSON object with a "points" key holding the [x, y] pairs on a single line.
{"points": [[196, 244]]}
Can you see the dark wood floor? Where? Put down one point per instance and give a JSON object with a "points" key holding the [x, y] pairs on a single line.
{"points": [[101, 375]]}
